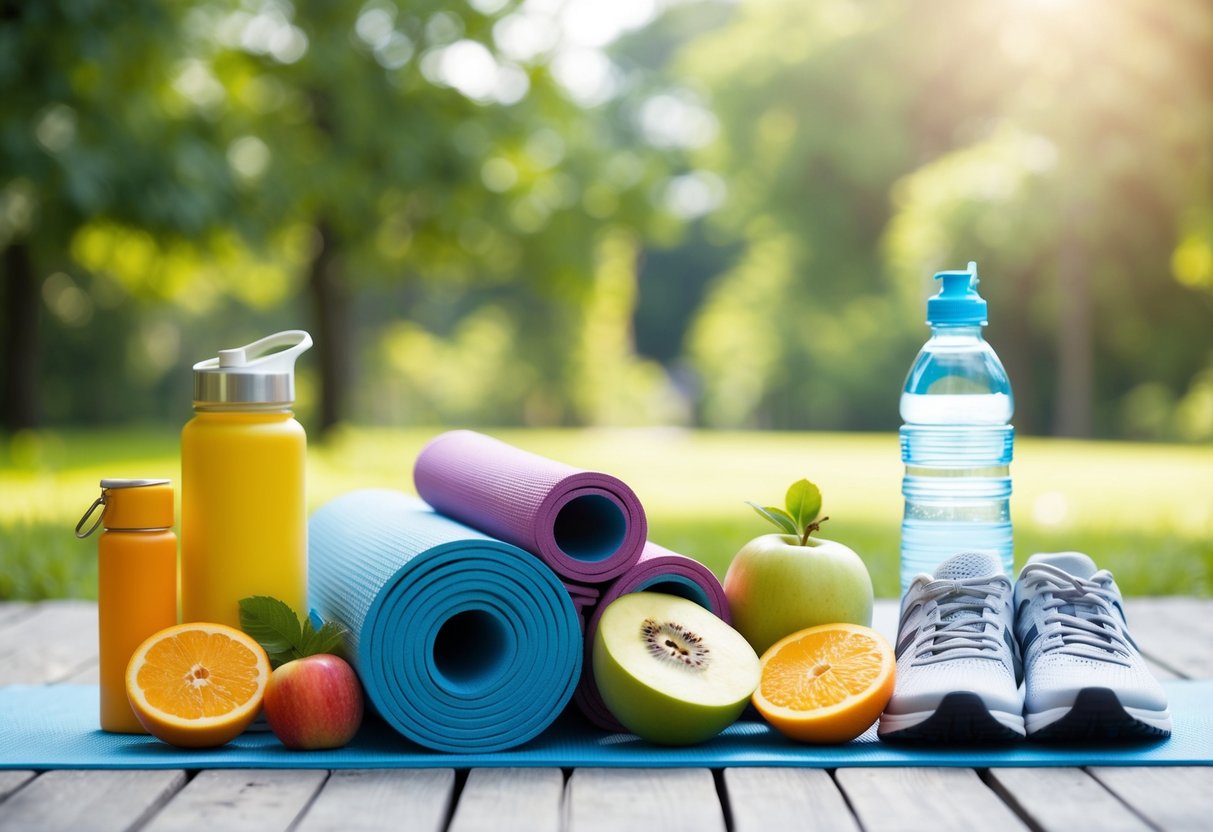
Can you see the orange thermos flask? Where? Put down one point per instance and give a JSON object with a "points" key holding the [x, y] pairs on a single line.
{"points": [[136, 582]]}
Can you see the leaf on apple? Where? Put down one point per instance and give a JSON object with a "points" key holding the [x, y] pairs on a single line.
{"points": [[800, 519], [777, 516], [804, 503], [278, 629]]}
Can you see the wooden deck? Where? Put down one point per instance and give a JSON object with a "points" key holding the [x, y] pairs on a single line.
{"points": [[55, 642]]}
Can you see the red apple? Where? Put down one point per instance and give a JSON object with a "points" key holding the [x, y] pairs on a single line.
{"points": [[314, 702]]}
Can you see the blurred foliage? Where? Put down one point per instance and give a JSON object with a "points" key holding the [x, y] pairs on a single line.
{"points": [[1064, 149], [646, 212]]}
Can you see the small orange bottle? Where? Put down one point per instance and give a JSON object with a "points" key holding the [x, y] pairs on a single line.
{"points": [[136, 583]]}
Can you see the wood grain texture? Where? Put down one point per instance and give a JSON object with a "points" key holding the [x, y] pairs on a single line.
{"points": [[88, 673], [49, 644], [1170, 797], [236, 800], [11, 780], [640, 800], [10, 611], [93, 800], [885, 612], [767, 799], [1175, 632], [419, 800], [509, 799], [1036, 794], [924, 800]]}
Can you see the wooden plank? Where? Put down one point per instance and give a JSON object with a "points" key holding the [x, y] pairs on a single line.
{"points": [[1175, 632], [637, 800], [418, 799], [924, 800], [507, 799], [88, 673], [1170, 797], [1160, 671], [94, 800], [1035, 794], [10, 611], [885, 612], [49, 644], [11, 780], [765, 799], [233, 800]]}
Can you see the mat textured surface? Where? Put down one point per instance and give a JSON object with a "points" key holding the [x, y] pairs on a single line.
{"points": [[463, 643], [56, 727], [588, 526]]}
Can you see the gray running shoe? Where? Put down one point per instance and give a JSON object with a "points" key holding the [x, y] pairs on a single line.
{"points": [[1086, 680], [958, 668]]}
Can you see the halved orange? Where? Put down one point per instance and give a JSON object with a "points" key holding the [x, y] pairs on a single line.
{"points": [[826, 684], [197, 685]]}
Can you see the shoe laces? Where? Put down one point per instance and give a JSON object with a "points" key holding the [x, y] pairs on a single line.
{"points": [[1079, 617], [956, 625]]}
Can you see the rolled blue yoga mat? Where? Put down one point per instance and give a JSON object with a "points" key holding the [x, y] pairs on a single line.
{"points": [[463, 643]]}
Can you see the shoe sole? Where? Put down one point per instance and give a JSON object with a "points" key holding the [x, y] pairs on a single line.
{"points": [[961, 718], [1097, 715]]}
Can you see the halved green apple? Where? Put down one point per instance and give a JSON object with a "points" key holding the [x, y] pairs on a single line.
{"points": [[669, 670]]}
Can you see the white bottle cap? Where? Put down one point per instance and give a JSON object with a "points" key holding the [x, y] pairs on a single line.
{"points": [[262, 372]]}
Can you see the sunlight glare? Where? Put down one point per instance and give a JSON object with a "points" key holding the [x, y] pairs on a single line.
{"points": [[587, 75]]}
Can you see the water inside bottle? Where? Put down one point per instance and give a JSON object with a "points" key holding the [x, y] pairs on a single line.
{"points": [[922, 541], [937, 409], [957, 489]]}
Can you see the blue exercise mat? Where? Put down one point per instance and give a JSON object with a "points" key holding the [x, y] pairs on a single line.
{"points": [[55, 726], [463, 643]]}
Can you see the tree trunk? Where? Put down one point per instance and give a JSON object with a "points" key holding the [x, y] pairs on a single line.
{"points": [[1015, 346], [1075, 347], [19, 345], [330, 310]]}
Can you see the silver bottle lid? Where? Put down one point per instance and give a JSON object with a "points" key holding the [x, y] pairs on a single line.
{"points": [[260, 373]]}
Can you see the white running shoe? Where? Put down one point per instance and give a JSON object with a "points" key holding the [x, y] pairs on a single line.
{"points": [[1086, 680], [958, 666]]}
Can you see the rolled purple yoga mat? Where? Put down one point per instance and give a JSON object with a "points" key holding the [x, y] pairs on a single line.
{"points": [[658, 570], [584, 598], [587, 526]]}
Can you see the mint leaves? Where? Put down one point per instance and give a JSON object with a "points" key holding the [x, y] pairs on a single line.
{"points": [[277, 628], [799, 518]]}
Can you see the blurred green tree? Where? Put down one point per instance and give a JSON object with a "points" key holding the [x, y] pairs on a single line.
{"points": [[802, 330], [1085, 177], [426, 143], [1066, 149], [92, 130], [466, 162]]}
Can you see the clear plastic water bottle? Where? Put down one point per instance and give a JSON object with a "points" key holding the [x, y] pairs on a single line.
{"points": [[956, 440]]}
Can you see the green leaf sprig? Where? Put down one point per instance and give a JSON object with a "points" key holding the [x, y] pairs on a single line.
{"points": [[278, 629], [800, 518]]}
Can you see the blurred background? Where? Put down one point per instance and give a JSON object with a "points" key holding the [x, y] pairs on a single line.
{"points": [[578, 217]]}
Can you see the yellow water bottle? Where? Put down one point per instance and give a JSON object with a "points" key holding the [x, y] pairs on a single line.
{"points": [[243, 512], [136, 583]]}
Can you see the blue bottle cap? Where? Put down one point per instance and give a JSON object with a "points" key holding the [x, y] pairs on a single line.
{"points": [[957, 301]]}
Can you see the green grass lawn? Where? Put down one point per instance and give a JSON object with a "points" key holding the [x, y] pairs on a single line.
{"points": [[1144, 511]]}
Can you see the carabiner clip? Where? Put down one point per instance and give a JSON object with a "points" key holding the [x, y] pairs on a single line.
{"points": [[100, 501]]}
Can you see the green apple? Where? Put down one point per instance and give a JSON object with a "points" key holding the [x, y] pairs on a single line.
{"points": [[776, 587], [670, 671]]}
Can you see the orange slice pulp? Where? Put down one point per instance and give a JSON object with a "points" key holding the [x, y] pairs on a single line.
{"points": [[826, 684], [197, 685]]}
